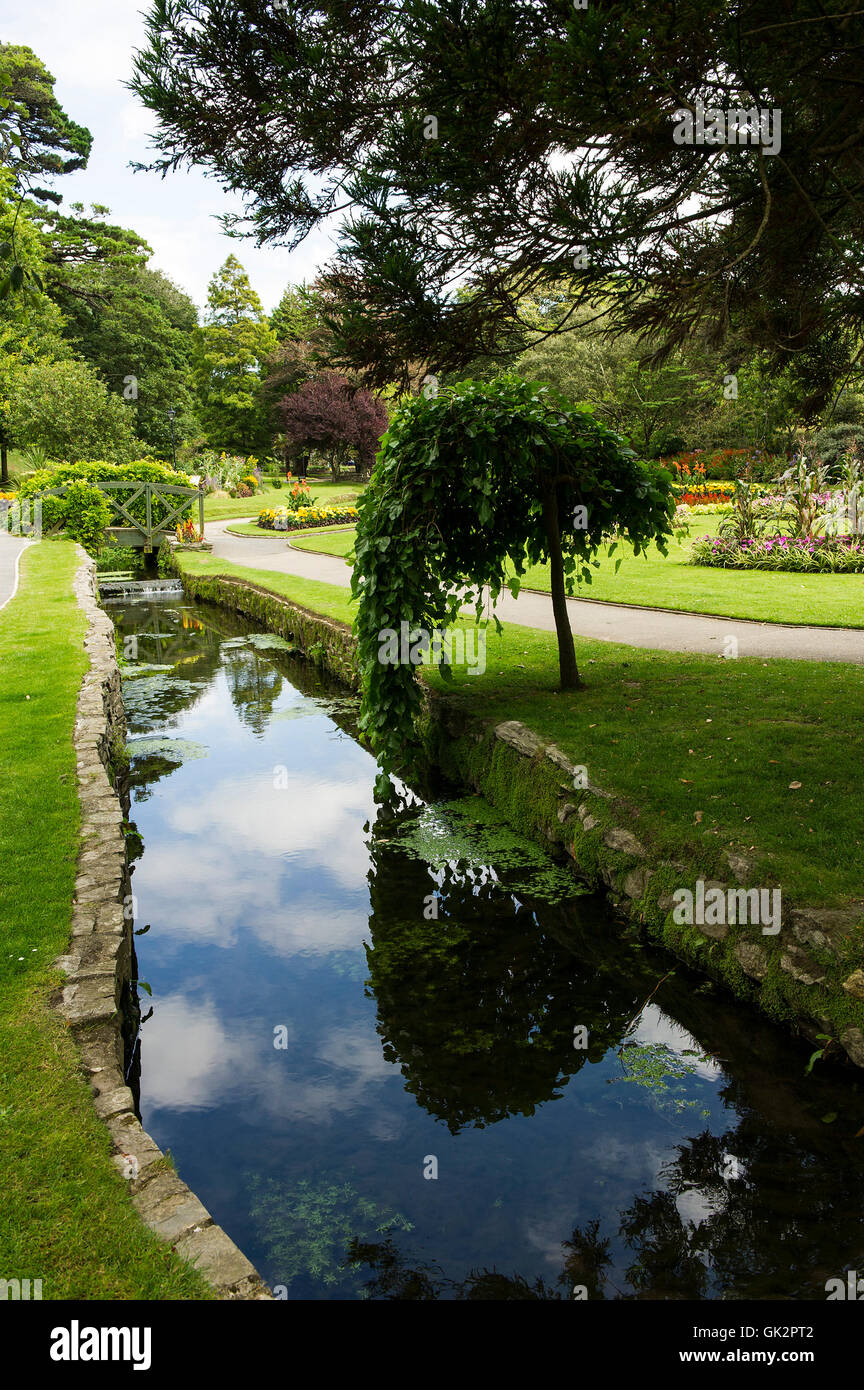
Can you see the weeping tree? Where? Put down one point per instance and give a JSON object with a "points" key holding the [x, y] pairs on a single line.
{"points": [[471, 485]]}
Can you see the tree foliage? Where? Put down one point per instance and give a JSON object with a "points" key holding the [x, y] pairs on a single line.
{"points": [[65, 409], [128, 321], [231, 350], [493, 142], [297, 316], [37, 139], [478, 478], [330, 414]]}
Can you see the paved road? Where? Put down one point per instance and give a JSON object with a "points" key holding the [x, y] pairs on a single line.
{"points": [[10, 549], [607, 622]]}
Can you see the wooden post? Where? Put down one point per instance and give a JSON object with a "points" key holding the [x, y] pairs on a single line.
{"points": [[201, 508]]}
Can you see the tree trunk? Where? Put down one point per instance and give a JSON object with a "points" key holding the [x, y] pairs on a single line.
{"points": [[4, 463], [570, 679]]}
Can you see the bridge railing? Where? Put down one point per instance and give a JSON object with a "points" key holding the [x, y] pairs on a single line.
{"points": [[147, 535]]}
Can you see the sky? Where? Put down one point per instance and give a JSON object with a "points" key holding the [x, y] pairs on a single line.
{"points": [[88, 49]]}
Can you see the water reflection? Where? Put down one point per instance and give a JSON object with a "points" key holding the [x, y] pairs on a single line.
{"points": [[316, 1034]]}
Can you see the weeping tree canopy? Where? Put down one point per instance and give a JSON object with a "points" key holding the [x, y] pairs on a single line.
{"points": [[483, 478]]}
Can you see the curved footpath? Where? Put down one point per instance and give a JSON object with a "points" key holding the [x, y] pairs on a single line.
{"points": [[10, 550], [607, 622]]}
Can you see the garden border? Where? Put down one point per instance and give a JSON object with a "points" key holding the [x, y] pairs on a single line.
{"points": [[98, 970]]}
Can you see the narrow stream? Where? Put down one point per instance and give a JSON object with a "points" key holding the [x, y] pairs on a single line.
{"points": [[397, 1052]]}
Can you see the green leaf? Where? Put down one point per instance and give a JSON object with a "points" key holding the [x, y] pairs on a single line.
{"points": [[813, 1060]]}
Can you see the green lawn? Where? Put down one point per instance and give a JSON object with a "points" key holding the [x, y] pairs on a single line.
{"points": [[337, 542], [650, 581], [679, 735], [65, 1215], [325, 493]]}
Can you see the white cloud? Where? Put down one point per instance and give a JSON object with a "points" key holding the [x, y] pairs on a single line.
{"points": [[311, 820], [189, 1059]]}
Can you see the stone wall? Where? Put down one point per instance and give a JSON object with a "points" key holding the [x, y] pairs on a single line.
{"points": [[808, 976], [98, 968], [322, 639]]}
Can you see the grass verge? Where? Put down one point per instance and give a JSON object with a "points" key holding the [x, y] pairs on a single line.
{"points": [[65, 1216]]}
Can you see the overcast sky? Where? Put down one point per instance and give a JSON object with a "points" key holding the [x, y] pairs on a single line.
{"points": [[88, 48]]}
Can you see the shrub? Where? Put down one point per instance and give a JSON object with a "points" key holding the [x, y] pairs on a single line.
{"points": [[745, 521], [86, 515], [119, 557], [710, 465], [226, 471], [829, 445], [298, 494]]}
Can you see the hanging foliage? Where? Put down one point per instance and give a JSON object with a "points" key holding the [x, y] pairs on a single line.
{"points": [[483, 477]]}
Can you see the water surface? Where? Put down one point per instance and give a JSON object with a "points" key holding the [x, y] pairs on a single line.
{"points": [[348, 997]]}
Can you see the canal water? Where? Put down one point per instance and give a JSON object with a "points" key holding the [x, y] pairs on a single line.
{"points": [[399, 1054]]}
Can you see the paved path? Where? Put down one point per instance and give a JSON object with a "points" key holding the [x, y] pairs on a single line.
{"points": [[657, 628], [10, 549]]}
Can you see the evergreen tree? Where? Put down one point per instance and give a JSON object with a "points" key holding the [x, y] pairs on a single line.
{"points": [[231, 349], [498, 143], [297, 316]]}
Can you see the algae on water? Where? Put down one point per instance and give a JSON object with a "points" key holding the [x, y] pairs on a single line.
{"points": [[653, 1066], [471, 833], [264, 641], [131, 671], [148, 699], [307, 1227], [178, 750]]}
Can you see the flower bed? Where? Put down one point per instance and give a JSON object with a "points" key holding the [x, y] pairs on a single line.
{"points": [[810, 555], [713, 495], [717, 495], [702, 464], [303, 518]]}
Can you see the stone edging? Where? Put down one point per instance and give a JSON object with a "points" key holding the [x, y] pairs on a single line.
{"points": [[98, 969], [331, 640], [812, 972]]}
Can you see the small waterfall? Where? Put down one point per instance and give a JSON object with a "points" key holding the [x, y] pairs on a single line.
{"points": [[137, 588]]}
